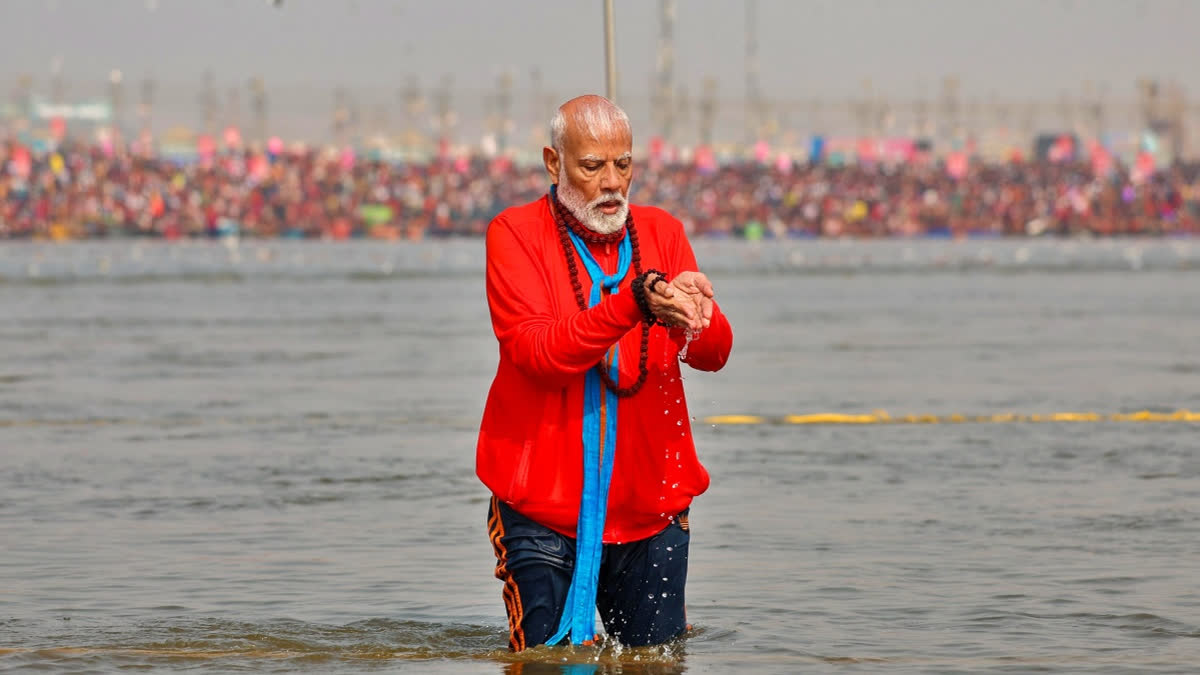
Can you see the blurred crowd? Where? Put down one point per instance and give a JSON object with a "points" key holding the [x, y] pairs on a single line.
{"points": [[85, 191]]}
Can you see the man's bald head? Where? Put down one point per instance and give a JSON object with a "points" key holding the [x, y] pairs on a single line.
{"points": [[589, 117]]}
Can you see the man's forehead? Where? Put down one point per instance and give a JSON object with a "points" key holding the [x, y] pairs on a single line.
{"points": [[612, 146]]}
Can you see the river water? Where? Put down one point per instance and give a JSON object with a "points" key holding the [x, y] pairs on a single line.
{"points": [[258, 457]]}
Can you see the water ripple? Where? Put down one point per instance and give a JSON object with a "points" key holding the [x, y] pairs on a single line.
{"points": [[218, 644]]}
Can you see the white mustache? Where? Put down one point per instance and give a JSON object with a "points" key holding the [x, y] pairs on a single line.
{"points": [[607, 197]]}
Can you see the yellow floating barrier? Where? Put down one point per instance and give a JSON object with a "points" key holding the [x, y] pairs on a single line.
{"points": [[831, 418], [1142, 416], [1075, 417], [882, 417]]}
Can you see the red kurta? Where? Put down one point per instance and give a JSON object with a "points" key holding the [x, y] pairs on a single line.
{"points": [[530, 440]]}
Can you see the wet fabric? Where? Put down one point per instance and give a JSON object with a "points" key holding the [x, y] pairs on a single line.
{"points": [[640, 591]]}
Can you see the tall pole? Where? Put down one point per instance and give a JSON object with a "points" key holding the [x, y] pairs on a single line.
{"points": [[708, 110], [116, 99], [610, 53], [665, 79], [146, 107], [753, 102], [258, 104], [208, 103]]}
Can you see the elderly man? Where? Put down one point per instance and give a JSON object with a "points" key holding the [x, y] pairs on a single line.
{"points": [[585, 440]]}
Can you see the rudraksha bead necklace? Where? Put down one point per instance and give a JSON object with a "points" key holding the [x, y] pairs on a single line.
{"points": [[565, 219]]}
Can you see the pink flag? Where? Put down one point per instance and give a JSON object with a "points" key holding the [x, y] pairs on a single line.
{"points": [[866, 150], [233, 137], [1102, 160], [761, 152], [705, 159], [956, 164], [205, 147]]}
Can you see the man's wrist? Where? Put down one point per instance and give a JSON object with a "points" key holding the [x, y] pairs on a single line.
{"points": [[651, 278]]}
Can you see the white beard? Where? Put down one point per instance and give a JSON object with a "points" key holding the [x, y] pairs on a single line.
{"points": [[589, 213]]}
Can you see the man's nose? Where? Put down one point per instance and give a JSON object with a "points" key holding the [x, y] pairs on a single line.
{"points": [[610, 178]]}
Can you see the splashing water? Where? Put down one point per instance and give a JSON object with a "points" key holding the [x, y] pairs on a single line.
{"points": [[688, 336]]}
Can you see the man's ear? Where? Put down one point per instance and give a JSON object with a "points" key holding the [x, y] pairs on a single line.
{"points": [[553, 163]]}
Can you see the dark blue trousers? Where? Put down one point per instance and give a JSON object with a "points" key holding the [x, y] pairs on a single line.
{"points": [[641, 584]]}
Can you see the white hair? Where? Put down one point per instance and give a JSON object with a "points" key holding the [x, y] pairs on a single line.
{"points": [[596, 119]]}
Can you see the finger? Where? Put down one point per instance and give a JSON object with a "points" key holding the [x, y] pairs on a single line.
{"points": [[704, 312], [689, 313], [701, 287], [686, 284], [686, 309], [679, 311], [662, 287], [703, 284]]}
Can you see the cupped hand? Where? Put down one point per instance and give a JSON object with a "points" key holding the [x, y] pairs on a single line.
{"points": [[685, 302], [697, 287]]}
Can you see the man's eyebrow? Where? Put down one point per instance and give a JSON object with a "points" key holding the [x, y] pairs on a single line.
{"points": [[598, 158]]}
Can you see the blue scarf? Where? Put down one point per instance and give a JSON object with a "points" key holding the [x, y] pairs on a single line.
{"points": [[599, 447]]}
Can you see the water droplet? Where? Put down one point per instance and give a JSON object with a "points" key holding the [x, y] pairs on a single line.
{"points": [[651, 596], [678, 401], [678, 423], [665, 579], [669, 549], [673, 486], [666, 412], [664, 594]]}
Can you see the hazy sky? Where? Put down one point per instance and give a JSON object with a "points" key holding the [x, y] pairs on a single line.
{"points": [[807, 48], [1015, 47]]}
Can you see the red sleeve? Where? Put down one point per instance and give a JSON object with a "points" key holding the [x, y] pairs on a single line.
{"points": [[709, 350], [521, 294]]}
